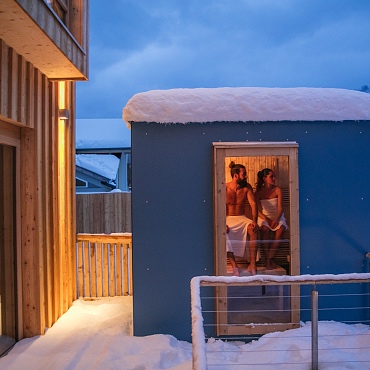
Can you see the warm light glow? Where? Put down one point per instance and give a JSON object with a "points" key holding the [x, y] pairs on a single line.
{"points": [[62, 168], [62, 95], [62, 154]]}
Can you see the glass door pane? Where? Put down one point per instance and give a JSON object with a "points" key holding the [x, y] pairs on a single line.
{"points": [[8, 304], [241, 170]]}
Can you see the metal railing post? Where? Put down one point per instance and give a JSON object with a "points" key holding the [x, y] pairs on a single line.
{"points": [[314, 329], [199, 354]]}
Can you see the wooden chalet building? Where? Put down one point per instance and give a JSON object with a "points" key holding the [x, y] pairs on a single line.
{"points": [[43, 52]]}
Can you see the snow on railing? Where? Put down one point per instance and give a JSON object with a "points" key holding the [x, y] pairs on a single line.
{"points": [[104, 265], [201, 360]]}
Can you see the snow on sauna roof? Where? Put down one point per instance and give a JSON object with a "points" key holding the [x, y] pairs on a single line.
{"points": [[228, 104]]}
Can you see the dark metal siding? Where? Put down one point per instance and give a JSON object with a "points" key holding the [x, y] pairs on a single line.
{"points": [[172, 207]]}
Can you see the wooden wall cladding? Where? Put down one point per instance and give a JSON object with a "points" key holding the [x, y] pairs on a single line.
{"points": [[48, 217], [29, 101], [20, 83], [253, 164]]}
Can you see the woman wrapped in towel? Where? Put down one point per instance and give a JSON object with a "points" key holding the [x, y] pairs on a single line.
{"points": [[269, 199]]}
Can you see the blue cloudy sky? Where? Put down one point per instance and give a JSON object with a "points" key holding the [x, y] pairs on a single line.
{"points": [[141, 45]]}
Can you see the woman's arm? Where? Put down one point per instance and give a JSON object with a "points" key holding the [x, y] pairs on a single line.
{"points": [[280, 210], [252, 202]]}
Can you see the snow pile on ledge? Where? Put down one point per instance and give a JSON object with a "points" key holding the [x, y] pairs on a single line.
{"points": [[245, 104]]}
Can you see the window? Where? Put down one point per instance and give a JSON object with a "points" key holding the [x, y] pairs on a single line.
{"points": [[60, 7], [81, 183], [233, 315]]}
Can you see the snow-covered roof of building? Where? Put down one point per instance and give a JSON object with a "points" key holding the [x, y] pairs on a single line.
{"points": [[105, 165], [106, 133], [244, 104]]}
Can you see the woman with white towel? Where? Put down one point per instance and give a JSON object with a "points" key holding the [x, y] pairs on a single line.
{"points": [[269, 199]]}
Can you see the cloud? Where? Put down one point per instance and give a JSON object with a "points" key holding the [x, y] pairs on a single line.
{"points": [[168, 44]]}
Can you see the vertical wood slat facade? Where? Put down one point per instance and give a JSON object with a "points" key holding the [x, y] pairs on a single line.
{"points": [[103, 213], [29, 100], [253, 164], [17, 103]]}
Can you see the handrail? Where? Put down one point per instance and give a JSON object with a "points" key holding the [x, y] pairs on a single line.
{"points": [[282, 280], [104, 238], [198, 334]]}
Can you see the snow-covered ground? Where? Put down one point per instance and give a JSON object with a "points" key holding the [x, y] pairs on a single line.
{"points": [[97, 334]]}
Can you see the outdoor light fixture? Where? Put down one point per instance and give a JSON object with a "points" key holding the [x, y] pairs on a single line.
{"points": [[63, 114]]}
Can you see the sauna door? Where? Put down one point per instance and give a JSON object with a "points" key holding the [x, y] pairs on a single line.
{"points": [[251, 310]]}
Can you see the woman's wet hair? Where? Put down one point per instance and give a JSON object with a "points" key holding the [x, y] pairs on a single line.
{"points": [[260, 175], [235, 168]]}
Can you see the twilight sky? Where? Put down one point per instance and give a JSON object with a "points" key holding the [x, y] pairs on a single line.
{"points": [[143, 45]]}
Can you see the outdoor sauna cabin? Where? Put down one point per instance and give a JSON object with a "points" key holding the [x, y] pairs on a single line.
{"points": [[315, 139], [43, 51]]}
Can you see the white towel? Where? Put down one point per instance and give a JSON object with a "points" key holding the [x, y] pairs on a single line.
{"points": [[270, 209], [236, 238]]}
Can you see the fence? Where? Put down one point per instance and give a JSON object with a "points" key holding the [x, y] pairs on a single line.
{"points": [[348, 310], [104, 265], [105, 213]]}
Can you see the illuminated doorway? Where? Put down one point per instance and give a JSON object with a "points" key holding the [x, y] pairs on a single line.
{"points": [[251, 310]]}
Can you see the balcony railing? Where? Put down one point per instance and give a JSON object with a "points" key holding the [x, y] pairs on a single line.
{"points": [[104, 265], [344, 305]]}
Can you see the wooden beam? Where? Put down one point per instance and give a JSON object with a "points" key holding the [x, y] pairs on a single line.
{"points": [[32, 29]]}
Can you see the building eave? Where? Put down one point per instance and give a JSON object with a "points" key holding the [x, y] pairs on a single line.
{"points": [[34, 31]]}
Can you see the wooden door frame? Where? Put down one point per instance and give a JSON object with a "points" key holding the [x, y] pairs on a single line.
{"points": [[10, 135], [221, 150]]}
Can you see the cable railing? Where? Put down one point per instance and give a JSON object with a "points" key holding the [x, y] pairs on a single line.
{"points": [[332, 306]]}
